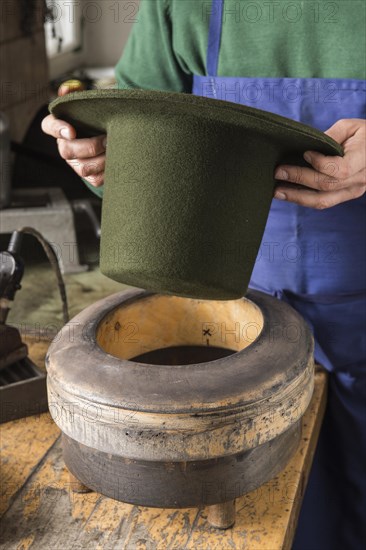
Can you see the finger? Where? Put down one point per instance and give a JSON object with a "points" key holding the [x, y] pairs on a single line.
{"points": [[333, 166], [97, 180], [315, 180], [343, 129], [319, 199], [82, 148], [88, 167], [58, 128], [339, 168], [350, 133]]}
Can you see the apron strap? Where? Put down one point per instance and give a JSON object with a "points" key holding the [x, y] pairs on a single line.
{"points": [[214, 37]]}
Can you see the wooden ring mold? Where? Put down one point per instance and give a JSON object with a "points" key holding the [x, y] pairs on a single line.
{"points": [[174, 402]]}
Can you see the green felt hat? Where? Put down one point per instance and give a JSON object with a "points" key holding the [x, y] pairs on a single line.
{"points": [[188, 185]]}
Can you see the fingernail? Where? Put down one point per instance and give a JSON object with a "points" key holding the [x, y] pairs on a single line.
{"points": [[104, 143], [65, 133], [281, 174], [280, 196], [307, 157]]}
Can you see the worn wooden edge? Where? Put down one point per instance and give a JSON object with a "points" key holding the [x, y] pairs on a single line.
{"points": [[312, 445], [177, 437]]}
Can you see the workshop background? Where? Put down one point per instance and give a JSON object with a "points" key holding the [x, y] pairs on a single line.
{"points": [[44, 44]]}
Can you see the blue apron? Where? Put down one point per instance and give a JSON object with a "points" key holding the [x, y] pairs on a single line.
{"points": [[316, 261]]}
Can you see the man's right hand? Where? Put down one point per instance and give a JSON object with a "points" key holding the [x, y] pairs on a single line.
{"points": [[85, 156]]}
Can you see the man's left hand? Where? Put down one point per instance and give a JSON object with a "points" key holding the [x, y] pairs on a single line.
{"points": [[330, 180]]}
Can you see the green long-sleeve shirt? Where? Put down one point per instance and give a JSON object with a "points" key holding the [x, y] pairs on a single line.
{"points": [[266, 38], [260, 38]]}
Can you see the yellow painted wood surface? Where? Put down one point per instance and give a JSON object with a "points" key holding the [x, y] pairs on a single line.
{"points": [[24, 442], [41, 511]]}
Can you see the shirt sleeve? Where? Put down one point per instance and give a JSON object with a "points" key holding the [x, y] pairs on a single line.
{"points": [[148, 61]]}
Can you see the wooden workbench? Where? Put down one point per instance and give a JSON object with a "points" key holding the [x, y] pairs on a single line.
{"points": [[40, 511]]}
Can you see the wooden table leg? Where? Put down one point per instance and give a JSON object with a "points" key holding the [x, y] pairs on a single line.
{"points": [[76, 485], [221, 515]]}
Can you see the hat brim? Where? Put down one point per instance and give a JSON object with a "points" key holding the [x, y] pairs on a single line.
{"points": [[92, 111]]}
